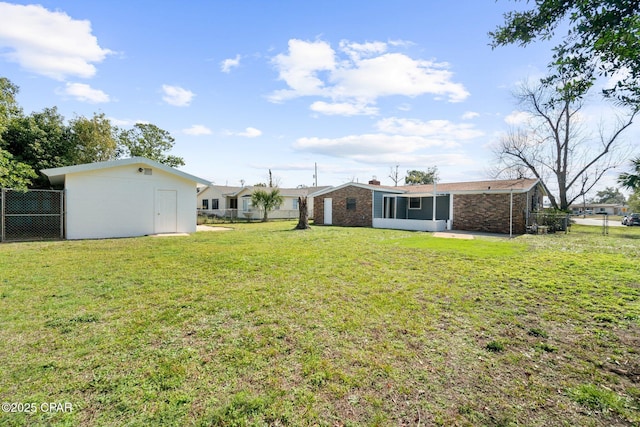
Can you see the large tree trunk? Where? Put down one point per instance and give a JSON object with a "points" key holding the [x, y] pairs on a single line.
{"points": [[303, 221]]}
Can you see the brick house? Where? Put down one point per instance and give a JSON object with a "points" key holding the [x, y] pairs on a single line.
{"points": [[498, 206]]}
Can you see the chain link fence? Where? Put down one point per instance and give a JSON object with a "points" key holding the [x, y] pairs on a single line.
{"points": [[31, 215]]}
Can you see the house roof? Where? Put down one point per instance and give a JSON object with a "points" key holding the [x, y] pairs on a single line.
{"points": [[223, 189], [57, 175], [493, 186], [286, 192], [326, 190]]}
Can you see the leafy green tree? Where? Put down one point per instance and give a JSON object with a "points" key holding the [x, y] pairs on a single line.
{"points": [[41, 141], [266, 201], [13, 174], [610, 195], [148, 140], [634, 201], [8, 105], [602, 39], [94, 139], [422, 177], [631, 180]]}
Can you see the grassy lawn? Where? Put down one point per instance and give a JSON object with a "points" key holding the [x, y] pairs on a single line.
{"points": [[330, 326]]}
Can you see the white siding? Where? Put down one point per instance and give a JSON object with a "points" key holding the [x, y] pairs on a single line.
{"points": [[121, 202]]}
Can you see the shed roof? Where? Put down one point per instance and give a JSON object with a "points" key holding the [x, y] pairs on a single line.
{"points": [[57, 175]]}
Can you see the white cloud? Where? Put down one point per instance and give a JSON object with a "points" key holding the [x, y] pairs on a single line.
{"points": [[197, 130], [397, 74], [369, 145], [517, 118], [248, 133], [49, 43], [441, 129], [469, 115], [85, 93], [228, 64], [358, 50], [300, 67], [343, 109], [408, 141], [126, 122], [365, 72], [177, 96], [120, 122]]}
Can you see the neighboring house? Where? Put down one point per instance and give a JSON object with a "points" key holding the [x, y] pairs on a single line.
{"points": [[491, 206], [218, 200], [126, 198], [599, 208], [234, 202]]}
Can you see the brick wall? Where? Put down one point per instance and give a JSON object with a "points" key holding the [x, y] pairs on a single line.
{"points": [[489, 212], [358, 217]]}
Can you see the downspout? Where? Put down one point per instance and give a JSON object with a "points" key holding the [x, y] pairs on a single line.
{"points": [[434, 201], [373, 206], [511, 214], [434, 205], [450, 211]]}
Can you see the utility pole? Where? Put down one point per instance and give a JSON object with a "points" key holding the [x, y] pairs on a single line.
{"points": [[315, 175]]}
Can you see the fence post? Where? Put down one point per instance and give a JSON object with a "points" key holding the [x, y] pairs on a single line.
{"points": [[2, 197], [63, 213]]}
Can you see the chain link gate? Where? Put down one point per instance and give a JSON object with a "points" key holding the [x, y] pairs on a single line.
{"points": [[31, 215]]}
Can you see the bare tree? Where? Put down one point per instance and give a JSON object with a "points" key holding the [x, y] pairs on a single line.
{"points": [[555, 147], [394, 174]]}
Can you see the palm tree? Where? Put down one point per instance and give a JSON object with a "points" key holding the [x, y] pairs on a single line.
{"points": [[266, 200], [631, 180]]}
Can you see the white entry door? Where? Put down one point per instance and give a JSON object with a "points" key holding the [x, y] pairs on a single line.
{"points": [[328, 211], [166, 220]]}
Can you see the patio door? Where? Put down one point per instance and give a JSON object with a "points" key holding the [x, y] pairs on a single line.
{"points": [[328, 211], [166, 220]]}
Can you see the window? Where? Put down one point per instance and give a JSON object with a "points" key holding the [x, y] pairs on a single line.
{"points": [[415, 203], [215, 204], [295, 204], [351, 203], [205, 203]]}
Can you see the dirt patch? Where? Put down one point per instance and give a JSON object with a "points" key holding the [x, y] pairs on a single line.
{"points": [[210, 228], [453, 235]]}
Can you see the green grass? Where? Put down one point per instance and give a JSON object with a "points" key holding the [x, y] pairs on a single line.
{"points": [[263, 325]]}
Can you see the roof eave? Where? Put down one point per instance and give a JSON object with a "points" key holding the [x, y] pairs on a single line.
{"points": [[56, 175]]}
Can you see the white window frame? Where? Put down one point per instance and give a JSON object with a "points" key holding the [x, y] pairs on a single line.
{"points": [[419, 203]]}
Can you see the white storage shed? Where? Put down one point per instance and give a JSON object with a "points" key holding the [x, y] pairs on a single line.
{"points": [[126, 198]]}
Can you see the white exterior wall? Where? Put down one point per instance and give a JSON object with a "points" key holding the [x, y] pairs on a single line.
{"points": [[121, 202], [209, 193]]}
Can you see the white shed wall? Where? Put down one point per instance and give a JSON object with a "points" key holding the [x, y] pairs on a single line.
{"points": [[122, 202]]}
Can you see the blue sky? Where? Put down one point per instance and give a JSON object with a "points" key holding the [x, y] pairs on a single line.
{"points": [[355, 87]]}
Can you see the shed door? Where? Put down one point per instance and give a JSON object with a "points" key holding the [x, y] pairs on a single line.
{"points": [[166, 211], [328, 211]]}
